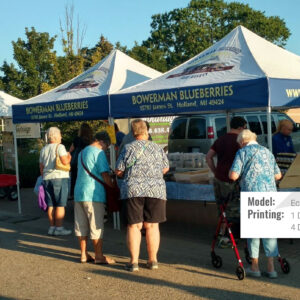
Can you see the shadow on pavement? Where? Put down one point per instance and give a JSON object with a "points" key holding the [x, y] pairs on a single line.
{"points": [[207, 293]]}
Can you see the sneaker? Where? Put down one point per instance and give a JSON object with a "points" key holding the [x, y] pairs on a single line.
{"points": [[224, 242], [152, 265], [251, 273], [132, 267], [62, 231], [271, 275], [51, 230]]}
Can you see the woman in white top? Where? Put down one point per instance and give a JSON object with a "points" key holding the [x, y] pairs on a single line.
{"points": [[55, 181]]}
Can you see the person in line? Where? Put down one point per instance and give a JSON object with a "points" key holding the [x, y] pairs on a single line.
{"points": [[257, 170], [142, 163], [225, 190], [55, 181], [84, 138], [129, 138], [119, 136], [90, 198], [282, 140]]}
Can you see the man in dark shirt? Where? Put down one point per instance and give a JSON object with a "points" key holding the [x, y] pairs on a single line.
{"points": [[225, 148]]}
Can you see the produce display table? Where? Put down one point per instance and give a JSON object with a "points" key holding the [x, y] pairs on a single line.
{"points": [[190, 191]]}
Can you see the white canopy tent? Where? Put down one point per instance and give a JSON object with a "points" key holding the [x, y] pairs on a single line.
{"points": [[87, 96], [242, 71], [6, 102]]}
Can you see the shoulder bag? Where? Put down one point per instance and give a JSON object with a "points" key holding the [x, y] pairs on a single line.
{"points": [[58, 163], [112, 193]]}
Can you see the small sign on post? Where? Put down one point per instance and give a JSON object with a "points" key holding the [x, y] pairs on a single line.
{"points": [[24, 131]]}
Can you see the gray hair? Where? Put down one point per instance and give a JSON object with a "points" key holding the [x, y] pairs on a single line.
{"points": [[246, 136], [53, 133]]}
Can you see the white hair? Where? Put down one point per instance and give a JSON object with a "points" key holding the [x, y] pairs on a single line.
{"points": [[246, 136], [53, 133]]}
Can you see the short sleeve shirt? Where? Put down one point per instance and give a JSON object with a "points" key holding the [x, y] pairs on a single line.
{"points": [[226, 147], [257, 167], [48, 159], [143, 163], [282, 144], [87, 189]]}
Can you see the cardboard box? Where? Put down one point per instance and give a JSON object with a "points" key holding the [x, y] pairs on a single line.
{"points": [[291, 178]]}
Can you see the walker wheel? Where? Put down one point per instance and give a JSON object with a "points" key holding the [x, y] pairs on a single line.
{"points": [[240, 273], [217, 261], [285, 266]]}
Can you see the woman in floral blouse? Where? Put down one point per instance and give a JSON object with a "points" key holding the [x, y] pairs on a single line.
{"points": [[143, 163], [256, 167]]}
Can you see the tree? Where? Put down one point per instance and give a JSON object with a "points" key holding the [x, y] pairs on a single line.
{"points": [[149, 56], [35, 58], [94, 55], [69, 36], [182, 33]]}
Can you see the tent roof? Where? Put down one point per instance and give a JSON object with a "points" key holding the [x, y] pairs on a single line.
{"points": [[242, 70], [6, 101], [85, 96]]}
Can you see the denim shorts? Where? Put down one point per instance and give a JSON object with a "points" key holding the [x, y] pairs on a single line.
{"points": [[56, 191], [270, 247]]}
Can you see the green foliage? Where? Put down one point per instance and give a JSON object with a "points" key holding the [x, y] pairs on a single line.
{"points": [[183, 33], [29, 169], [151, 57], [35, 58], [94, 55]]}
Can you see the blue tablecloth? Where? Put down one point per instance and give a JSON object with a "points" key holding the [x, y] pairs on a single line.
{"points": [[188, 191]]}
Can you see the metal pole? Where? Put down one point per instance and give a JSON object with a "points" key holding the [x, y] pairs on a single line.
{"points": [[227, 121], [17, 168], [269, 128]]}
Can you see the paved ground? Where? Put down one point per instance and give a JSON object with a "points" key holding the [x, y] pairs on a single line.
{"points": [[36, 266]]}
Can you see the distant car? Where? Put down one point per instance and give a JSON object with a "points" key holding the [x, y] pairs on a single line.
{"points": [[213, 67], [80, 85], [196, 133]]}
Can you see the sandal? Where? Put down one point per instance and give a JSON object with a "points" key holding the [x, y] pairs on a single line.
{"points": [[88, 259], [106, 261]]}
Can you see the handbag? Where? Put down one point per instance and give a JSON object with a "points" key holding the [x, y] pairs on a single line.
{"points": [[42, 198], [59, 165], [39, 181], [112, 193]]}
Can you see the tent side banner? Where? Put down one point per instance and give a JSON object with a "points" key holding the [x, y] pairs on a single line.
{"points": [[285, 92], [92, 108], [213, 97]]}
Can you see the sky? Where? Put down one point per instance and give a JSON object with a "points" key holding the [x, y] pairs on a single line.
{"points": [[125, 21]]}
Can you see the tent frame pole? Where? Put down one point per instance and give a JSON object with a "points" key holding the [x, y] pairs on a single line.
{"points": [[116, 216], [269, 128], [17, 168]]}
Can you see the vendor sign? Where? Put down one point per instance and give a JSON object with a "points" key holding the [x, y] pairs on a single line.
{"points": [[29, 130], [8, 150]]}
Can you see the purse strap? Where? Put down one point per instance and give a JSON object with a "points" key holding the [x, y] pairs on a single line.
{"points": [[56, 151], [91, 174]]}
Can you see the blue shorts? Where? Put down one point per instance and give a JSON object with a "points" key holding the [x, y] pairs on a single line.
{"points": [[56, 191]]}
